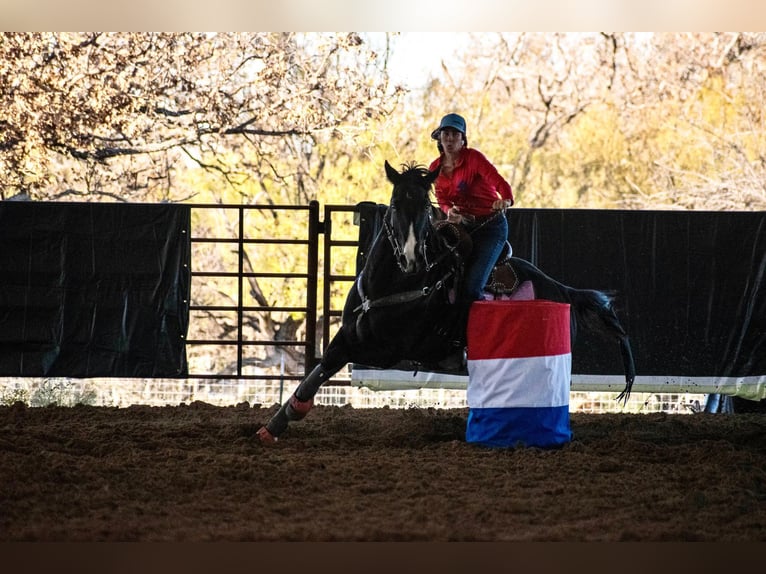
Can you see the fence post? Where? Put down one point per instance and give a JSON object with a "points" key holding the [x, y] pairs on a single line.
{"points": [[315, 228], [240, 286]]}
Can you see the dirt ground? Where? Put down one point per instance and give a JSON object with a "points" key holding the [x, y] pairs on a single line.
{"points": [[197, 473]]}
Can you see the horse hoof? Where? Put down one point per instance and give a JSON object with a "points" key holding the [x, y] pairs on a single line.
{"points": [[266, 437], [299, 408]]}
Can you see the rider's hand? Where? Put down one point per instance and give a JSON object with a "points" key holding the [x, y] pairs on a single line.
{"points": [[453, 215], [501, 204]]}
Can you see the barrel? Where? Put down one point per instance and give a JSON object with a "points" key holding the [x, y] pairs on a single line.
{"points": [[519, 374]]}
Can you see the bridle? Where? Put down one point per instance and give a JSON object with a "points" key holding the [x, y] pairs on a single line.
{"points": [[400, 257], [399, 254]]}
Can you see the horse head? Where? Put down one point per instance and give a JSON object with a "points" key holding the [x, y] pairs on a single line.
{"points": [[408, 218]]}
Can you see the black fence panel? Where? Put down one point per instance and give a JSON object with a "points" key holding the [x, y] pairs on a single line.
{"points": [[690, 286], [89, 289]]}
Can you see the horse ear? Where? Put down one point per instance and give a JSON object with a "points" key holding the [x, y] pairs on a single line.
{"points": [[391, 173]]}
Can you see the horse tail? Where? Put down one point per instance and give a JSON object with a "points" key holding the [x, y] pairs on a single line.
{"points": [[595, 310]]}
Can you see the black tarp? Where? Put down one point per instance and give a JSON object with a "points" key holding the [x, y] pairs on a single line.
{"points": [[93, 289], [689, 287]]}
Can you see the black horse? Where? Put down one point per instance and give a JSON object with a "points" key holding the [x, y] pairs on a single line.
{"points": [[401, 307]]}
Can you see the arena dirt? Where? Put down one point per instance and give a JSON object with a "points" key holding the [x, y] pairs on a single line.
{"points": [[197, 473]]}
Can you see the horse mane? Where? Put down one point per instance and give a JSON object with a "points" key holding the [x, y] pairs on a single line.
{"points": [[414, 172]]}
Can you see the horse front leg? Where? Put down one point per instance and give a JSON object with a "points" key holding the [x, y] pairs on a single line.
{"points": [[302, 400], [297, 406]]}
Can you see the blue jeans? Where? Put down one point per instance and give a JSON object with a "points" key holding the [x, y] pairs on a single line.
{"points": [[488, 240]]}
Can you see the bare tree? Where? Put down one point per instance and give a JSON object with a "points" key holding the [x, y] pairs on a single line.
{"points": [[116, 116], [620, 119], [711, 89]]}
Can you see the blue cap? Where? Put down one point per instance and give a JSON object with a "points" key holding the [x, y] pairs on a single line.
{"points": [[450, 121]]}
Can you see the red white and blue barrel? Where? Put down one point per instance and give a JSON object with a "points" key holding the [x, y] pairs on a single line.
{"points": [[519, 374]]}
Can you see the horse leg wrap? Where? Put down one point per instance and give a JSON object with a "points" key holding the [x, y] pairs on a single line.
{"points": [[310, 385], [293, 410], [297, 409], [275, 427]]}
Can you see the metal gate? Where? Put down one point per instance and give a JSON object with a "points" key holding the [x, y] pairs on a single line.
{"points": [[319, 234]]}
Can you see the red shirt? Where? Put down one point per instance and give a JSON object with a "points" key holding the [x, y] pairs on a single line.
{"points": [[473, 186]]}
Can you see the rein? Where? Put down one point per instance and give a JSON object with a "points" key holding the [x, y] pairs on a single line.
{"points": [[415, 294], [396, 298], [483, 223], [404, 296], [400, 258], [393, 299]]}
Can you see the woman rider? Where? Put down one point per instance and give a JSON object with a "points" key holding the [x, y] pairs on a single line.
{"points": [[473, 194]]}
